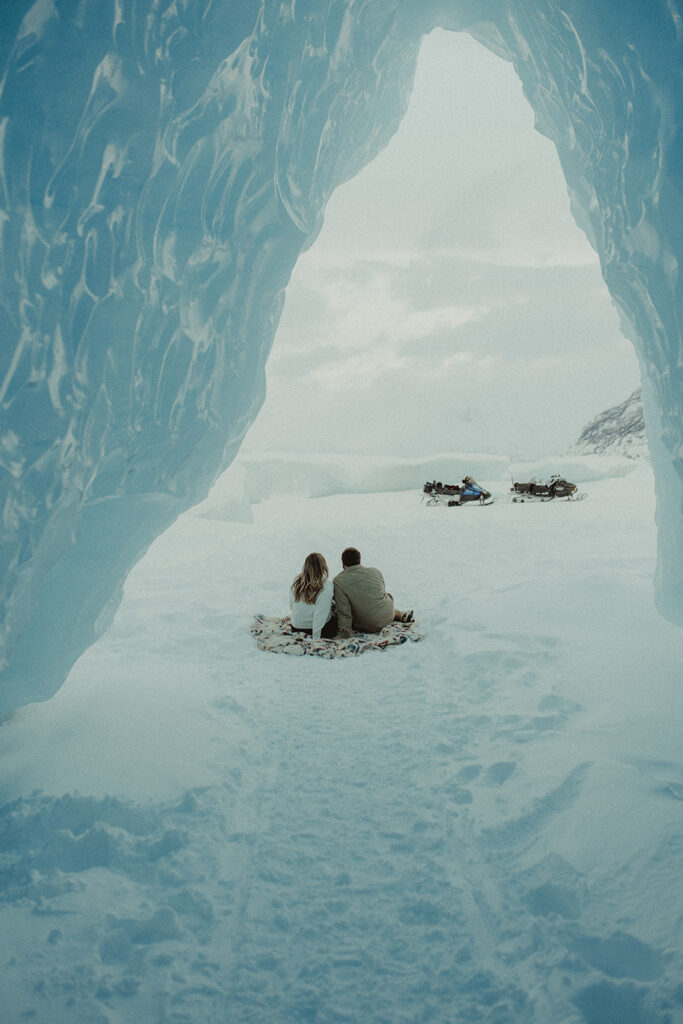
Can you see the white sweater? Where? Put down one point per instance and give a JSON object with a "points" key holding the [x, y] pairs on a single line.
{"points": [[312, 616]]}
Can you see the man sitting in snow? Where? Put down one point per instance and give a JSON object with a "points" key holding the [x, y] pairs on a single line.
{"points": [[361, 598]]}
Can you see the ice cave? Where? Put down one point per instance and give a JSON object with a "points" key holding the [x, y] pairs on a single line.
{"points": [[162, 166]]}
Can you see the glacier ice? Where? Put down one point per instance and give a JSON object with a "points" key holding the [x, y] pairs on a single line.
{"points": [[618, 429], [162, 165]]}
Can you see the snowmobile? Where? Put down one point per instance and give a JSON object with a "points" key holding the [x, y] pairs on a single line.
{"points": [[555, 487], [454, 495]]}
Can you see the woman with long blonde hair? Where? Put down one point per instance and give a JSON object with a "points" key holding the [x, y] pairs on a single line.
{"points": [[310, 599]]}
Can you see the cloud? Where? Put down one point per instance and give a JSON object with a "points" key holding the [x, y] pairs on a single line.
{"points": [[360, 308], [450, 287], [365, 369]]}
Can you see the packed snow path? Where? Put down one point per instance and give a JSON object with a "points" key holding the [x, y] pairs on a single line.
{"points": [[486, 826]]}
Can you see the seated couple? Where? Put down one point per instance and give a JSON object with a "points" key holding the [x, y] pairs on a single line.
{"points": [[360, 599]]}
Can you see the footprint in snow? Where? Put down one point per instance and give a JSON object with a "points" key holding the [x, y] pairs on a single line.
{"points": [[608, 1003], [539, 640], [495, 775], [621, 956], [550, 899], [666, 786], [554, 714], [498, 773], [541, 812]]}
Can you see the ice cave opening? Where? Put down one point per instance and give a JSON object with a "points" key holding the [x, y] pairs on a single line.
{"points": [[450, 302], [152, 213]]}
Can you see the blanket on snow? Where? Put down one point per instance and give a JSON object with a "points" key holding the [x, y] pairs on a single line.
{"points": [[277, 635]]}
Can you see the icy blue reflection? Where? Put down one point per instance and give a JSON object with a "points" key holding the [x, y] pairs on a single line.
{"points": [[161, 167]]}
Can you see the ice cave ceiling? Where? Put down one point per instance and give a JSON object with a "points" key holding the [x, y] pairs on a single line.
{"points": [[162, 165]]}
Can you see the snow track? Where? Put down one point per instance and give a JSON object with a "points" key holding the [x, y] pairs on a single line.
{"points": [[485, 826]]}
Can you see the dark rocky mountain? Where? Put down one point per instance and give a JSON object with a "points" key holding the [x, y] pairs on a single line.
{"points": [[619, 430]]}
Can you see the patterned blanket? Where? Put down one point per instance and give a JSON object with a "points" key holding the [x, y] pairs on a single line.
{"points": [[277, 635]]}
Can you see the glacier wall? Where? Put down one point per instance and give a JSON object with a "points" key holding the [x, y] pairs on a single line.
{"points": [[162, 165]]}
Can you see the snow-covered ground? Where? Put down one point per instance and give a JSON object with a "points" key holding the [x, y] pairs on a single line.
{"points": [[485, 826]]}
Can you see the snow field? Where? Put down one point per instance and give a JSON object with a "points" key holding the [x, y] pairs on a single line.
{"points": [[486, 826]]}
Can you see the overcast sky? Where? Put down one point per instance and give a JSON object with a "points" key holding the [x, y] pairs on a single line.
{"points": [[450, 302]]}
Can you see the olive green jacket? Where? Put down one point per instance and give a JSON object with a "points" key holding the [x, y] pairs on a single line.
{"points": [[361, 600]]}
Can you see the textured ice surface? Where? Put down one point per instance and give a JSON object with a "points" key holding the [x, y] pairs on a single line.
{"points": [[161, 167]]}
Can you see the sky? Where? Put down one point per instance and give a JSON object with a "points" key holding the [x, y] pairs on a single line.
{"points": [[450, 302]]}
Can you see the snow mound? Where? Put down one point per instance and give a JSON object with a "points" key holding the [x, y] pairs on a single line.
{"points": [[228, 500], [259, 476], [269, 474], [576, 468]]}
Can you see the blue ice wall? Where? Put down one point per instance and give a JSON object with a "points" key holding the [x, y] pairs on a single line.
{"points": [[162, 164]]}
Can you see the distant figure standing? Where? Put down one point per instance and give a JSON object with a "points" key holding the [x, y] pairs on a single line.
{"points": [[310, 600], [361, 598]]}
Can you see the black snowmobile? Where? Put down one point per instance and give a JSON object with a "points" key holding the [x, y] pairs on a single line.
{"points": [[454, 495], [555, 487]]}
